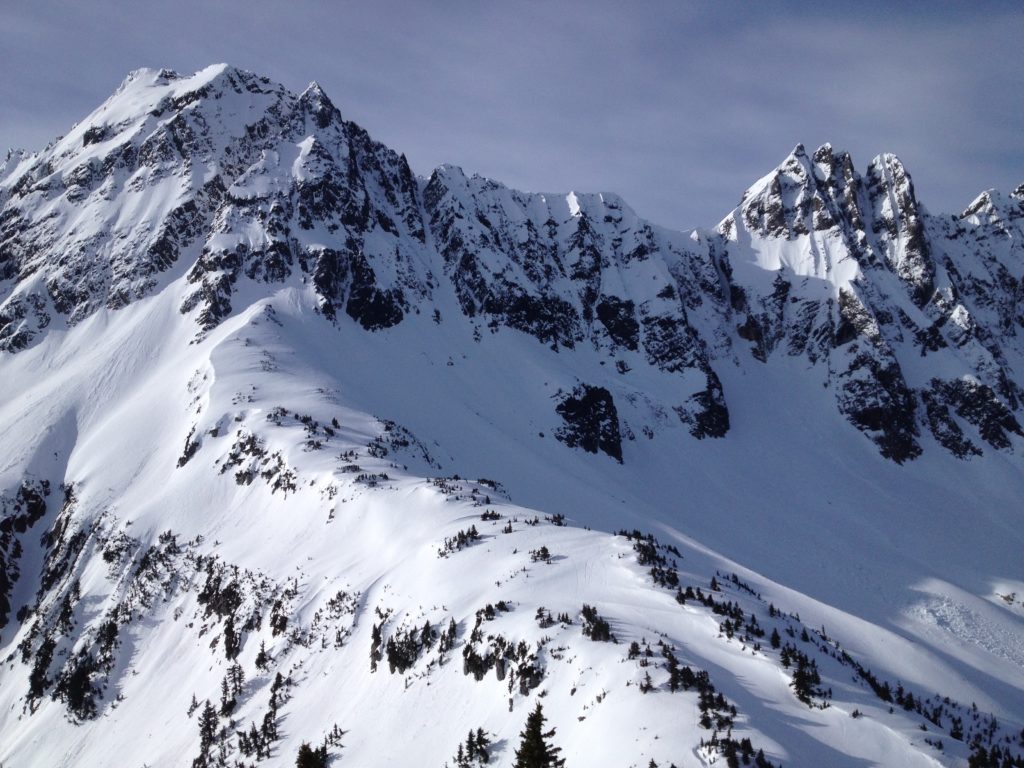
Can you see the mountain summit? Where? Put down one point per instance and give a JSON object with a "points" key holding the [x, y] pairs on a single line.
{"points": [[249, 360]]}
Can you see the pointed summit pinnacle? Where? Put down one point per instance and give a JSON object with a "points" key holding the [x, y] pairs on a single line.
{"points": [[319, 105], [314, 90]]}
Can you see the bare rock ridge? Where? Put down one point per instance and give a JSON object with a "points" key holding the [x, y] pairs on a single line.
{"points": [[910, 320]]}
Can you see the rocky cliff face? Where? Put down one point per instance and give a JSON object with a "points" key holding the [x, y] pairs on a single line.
{"points": [[223, 176], [583, 270], [911, 321], [853, 274]]}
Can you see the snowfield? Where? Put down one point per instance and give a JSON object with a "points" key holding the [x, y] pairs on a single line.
{"points": [[371, 462]]}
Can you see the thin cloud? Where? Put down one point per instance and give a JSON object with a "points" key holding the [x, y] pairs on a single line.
{"points": [[678, 107]]}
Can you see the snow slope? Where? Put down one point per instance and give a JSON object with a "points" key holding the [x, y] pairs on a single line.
{"points": [[248, 359]]}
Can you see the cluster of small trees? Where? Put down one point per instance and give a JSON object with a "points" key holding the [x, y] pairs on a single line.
{"points": [[318, 757], [996, 757], [459, 541], [75, 687], [403, 648], [545, 619], [535, 748], [806, 680], [542, 554], [501, 655], [665, 577], [474, 751], [258, 741], [716, 711], [311, 757], [37, 678], [263, 658], [230, 688], [595, 627], [737, 753], [506, 657], [372, 479], [216, 597], [446, 640], [731, 627], [247, 445]]}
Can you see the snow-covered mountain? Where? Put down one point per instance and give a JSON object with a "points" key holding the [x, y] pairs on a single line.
{"points": [[249, 361]]}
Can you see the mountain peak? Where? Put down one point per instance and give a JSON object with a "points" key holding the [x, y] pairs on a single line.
{"points": [[983, 203], [149, 76], [314, 90], [448, 173], [823, 154], [318, 103], [888, 176], [156, 91], [796, 164], [992, 205], [888, 160]]}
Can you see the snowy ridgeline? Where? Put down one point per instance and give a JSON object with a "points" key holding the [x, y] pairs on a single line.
{"points": [[337, 601], [249, 360]]}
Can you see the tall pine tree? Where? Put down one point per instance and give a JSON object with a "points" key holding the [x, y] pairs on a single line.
{"points": [[534, 750]]}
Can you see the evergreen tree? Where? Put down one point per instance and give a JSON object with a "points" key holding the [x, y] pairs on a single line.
{"points": [[262, 658], [646, 685], [227, 701], [311, 758], [232, 639], [207, 735], [207, 727], [534, 750], [482, 743]]}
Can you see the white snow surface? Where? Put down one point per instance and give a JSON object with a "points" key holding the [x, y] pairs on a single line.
{"points": [[915, 570]]}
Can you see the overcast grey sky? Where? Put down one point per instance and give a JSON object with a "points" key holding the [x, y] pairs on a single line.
{"points": [[677, 106]]}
